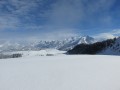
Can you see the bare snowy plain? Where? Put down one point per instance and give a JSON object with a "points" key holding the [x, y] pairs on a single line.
{"points": [[60, 72]]}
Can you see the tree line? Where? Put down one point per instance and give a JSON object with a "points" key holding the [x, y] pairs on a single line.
{"points": [[92, 48], [5, 56]]}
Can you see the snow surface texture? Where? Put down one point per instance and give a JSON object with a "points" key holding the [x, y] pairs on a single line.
{"points": [[80, 72]]}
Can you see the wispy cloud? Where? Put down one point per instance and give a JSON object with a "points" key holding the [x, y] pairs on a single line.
{"points": [[51, 16], [71, 12], [108, 35], [13, 13], [61, 13], [55, 35], [8, 22]]}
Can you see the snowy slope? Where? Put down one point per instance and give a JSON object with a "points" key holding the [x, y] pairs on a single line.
{"points": [[60, 73], [114, 49]]}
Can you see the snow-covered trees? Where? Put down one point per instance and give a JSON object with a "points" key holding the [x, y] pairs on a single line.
{"points": [[91, 48]]}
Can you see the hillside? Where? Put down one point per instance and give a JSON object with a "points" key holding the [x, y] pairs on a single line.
{"points": [[112, 50], [94, 48]]}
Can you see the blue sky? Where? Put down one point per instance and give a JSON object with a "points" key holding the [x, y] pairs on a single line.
{"points": [[51, 19]]}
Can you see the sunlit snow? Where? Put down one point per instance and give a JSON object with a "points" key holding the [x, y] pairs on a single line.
{"points": [[62, 72]]}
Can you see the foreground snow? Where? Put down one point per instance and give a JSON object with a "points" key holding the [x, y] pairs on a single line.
{"points": [[60, 73]]}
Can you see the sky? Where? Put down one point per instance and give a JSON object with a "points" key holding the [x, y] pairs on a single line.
{"points": [[55, 19]]}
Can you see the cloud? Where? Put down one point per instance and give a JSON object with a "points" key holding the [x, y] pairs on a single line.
{"points": [[23, 7], [65, 13], [16, 13], [59, 13], [8, 22], [37, 35], [58, 35], [108, 35], [54, 17], [68, 13], [104, 36]]}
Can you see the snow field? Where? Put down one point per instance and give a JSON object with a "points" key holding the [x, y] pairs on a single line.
{"points": [[75, 72]]}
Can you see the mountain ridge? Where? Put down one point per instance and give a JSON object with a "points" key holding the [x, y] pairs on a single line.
{"points": [[66, 44], [106, 47]]}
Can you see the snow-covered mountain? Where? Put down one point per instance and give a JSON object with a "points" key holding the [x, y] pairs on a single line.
{"points": [[106, 47], [113, 49], [65, 44], [6, 46]]}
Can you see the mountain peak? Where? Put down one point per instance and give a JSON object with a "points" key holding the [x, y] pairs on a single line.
{"points": [[65, 44]]}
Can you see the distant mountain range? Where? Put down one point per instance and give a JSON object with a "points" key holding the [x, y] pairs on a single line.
{"points": [[65, 44], [73, 45]]}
